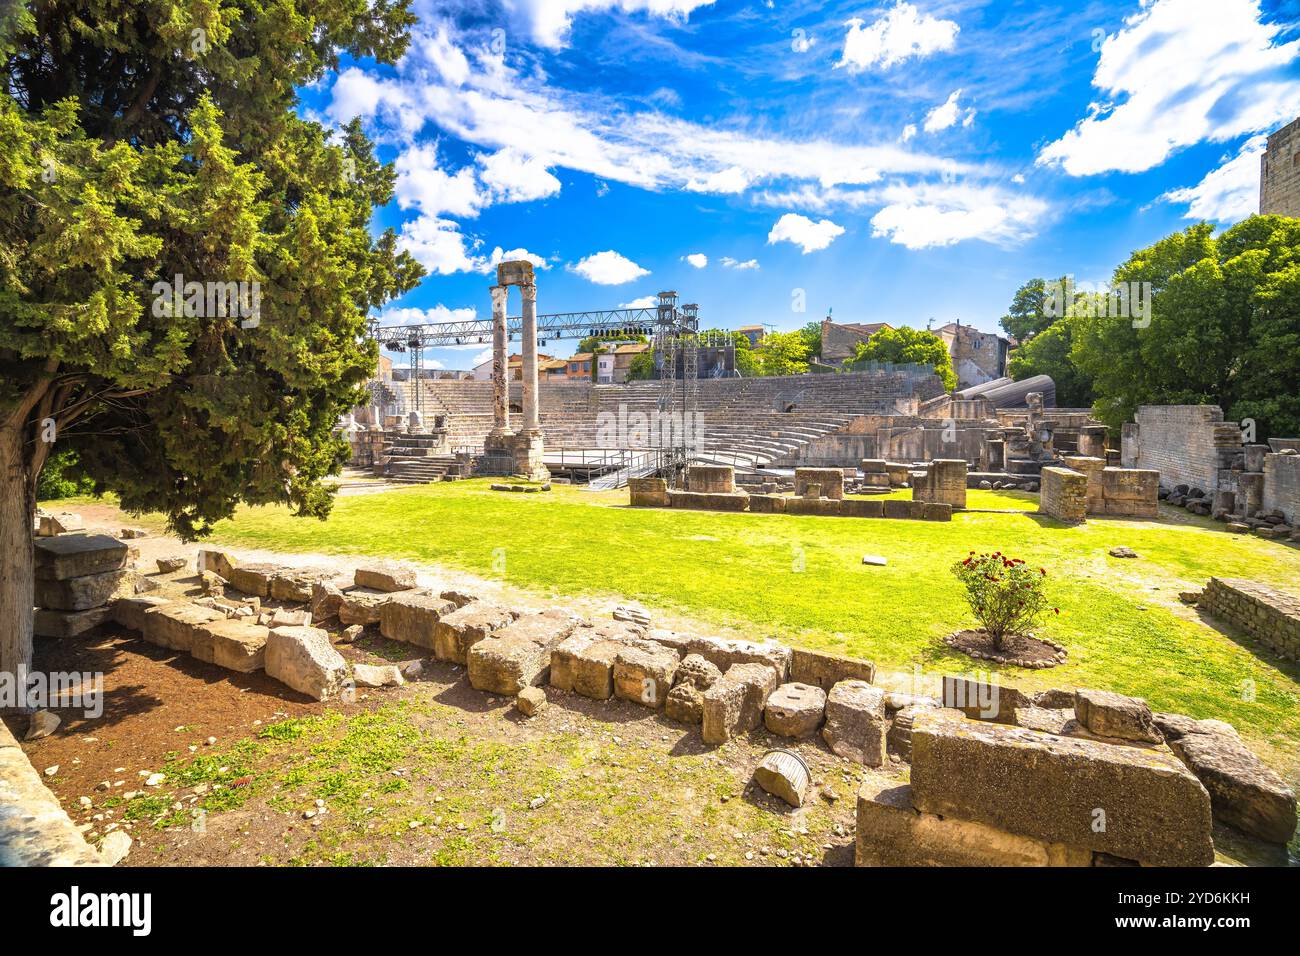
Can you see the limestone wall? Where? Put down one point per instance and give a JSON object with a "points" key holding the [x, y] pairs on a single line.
{"points": [[1064, 495], [1268, 615], [1187, 444], [1282, 486]]}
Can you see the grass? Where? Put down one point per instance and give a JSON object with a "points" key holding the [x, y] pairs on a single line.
{"points": [[801, 579]]}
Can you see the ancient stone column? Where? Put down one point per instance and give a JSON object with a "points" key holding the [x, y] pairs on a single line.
{"points": [[500, 365], [531, 424]]}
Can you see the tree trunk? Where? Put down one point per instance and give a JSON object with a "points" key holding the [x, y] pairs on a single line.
{"points": [[17, 558]]}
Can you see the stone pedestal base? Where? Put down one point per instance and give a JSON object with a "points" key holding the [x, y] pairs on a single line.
{"points": [[527, 451]]}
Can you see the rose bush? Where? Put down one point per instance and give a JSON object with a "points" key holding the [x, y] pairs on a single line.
{"points": [[1006, 595]]}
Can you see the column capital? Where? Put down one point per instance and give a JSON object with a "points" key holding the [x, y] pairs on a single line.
{"points": [[529, 291], [499, 293]]}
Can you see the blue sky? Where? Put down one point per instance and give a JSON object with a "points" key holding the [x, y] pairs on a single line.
{"points": [[897, 162]]}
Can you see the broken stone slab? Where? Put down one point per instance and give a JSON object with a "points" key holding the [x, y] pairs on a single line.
{"points": [[898, 740], [294, 584], [784, 775], [685, 704], [65, 522], [856, 726], [62, 624], [304, 659], [643, 673], [891, 832], [826, 670], [1136, 803], [326, 599], [361, 606], [114, 848], [982, 699], [696, 670], [351, 634], [173, 625], [172, 565], [1113, 715], [234, 644], [412, 617], [725, 652], [129, 611], [459, 630], [458, 597], [290, 617], [1045, 720], [875, 560], [252, 579], [41, 724], [217, 562], [382, 675], [583, 663], [1244, 793], [734, 704], [1055, 699], [519, 654], [384, 577], [80, 593], [76, 555], [530, 701], [795, 710]]}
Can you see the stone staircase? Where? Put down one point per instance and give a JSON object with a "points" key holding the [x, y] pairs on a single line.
{"points": [[413, 460]]}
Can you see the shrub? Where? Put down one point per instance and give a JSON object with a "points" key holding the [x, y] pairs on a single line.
{"points": [[1006, 595]]}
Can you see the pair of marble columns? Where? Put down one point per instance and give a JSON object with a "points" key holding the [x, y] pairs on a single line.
{"points": [[501, 362]]}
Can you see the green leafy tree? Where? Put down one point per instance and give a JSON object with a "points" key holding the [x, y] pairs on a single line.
{"points": [[1224, 327], [812, 337], [141, 142], [903, 345], [1028, 313], [1048, 353], [783, 353]]}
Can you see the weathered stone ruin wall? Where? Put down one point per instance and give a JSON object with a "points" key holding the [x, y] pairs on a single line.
{"points": [[944, 480], [1282, 486], [1064, 495], [1128, 492], [1279, 173], [34, 828], [1268, 615], [1186, 444]]}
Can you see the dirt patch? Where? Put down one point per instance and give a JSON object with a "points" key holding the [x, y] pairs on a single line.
{"points": [[1020, 650]]}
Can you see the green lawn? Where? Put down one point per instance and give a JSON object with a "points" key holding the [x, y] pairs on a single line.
{"points": [[801, 579]]}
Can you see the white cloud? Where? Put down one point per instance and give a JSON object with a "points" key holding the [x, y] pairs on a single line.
{"points": [[901, 33], [804, 233], [645, 302], [512, 176], [731, 263], [424, 185], [408, 315], [499, 256], [1229, 193], [480, 358], [908, 132], [733, 179], [1180, 72], [439, 246], [609, 268], [943, 116], [698, 259], [550, 20], [921, 217]]}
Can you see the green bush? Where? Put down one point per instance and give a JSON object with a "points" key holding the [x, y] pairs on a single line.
{"points": [[1005, 594], [62, 478]]}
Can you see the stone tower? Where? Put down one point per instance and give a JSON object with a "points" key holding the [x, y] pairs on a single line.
{"points": [[1279, 173]]}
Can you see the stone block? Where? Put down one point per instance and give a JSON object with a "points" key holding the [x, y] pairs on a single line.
{"points": [[384, 577], [254, 579], [294, 584], [795, 710], [873, 466], [643, 673], [380, 675], [1064, 495], [685, 704], [890, 832], [783, 774], [826, 670], [173, 625], [898, 508], [711, 479], [75, 555], [361, 606], [1058, 789], [648, 492], [767, 504], [48, 525], [518, 655], [1114, 715], [708, 501], [981, 699], [820, 507], [129, 611], [459, 630], [79, 593], [698, 671], [412, 618], [734, 704], [829, 480], [326, 599], [48, 623], [530, 701], [304, 659], [935, 511], [235, 645], [942, 482], [861, 508], [290, 617], [856, 726], [583, 663], [218, 562], [723, 653], [1045, 720]]}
